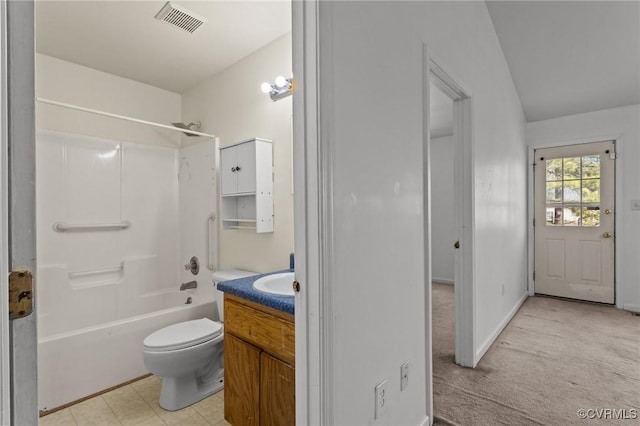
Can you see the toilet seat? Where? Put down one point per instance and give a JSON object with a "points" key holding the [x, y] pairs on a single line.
{"points": [[182, 335]]}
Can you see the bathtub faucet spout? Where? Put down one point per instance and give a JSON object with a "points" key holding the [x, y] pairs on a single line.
{"points": [[190, 284]]}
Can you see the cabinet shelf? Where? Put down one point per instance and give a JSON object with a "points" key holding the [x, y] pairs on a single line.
{"points": [[239, 220], [241, 194]]}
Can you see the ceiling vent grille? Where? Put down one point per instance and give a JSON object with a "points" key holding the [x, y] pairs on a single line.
{"points": [[179, 17]]}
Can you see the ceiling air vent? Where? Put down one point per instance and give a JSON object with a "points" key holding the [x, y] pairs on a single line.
{"points": [[179, 17]]}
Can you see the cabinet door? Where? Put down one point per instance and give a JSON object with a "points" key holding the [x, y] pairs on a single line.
{"points": [[277, 392], [241, 382], [228, 162], [247, 162]]}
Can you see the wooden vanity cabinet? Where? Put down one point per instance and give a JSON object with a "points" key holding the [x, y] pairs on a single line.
{"points": [[259, 364]]}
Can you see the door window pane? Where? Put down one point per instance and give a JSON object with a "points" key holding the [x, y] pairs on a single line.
{"points": [[591, 191], [571, 168], [573, 191], [554, 215], [591, 216], [590, 166], [554, 192], [554, 169], [572, 216]]}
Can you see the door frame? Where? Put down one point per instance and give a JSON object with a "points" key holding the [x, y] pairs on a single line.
{"points": [[312, 305], [20, 80], [464, 273], [619, 207], [5, 397]]}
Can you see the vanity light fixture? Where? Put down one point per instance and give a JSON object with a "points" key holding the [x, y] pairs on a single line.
{"points": [[281, 88]]}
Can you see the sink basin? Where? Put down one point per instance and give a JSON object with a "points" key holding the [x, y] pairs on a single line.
{"points": [[277, 284]]}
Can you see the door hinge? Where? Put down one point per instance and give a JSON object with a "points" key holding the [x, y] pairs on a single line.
{"points": [[20, 294], [534, 275], [534, 222]]}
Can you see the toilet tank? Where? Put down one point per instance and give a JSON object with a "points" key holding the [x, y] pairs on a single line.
{"points": [[226, 275]]}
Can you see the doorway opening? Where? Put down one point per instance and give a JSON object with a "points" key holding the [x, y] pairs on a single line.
{"points": [[574, 221]]}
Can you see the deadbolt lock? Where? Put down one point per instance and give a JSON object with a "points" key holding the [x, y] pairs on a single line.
{"points": [[20, 294], [296, 286]]}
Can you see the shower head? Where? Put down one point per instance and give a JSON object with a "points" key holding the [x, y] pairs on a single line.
{"points": [[194, 125]]}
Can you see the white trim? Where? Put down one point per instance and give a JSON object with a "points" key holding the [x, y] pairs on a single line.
{"points": [[424, 421], [619, 203], [493, 336], [313, 332], [5, 349], [530, 215], [437, 280], [426, 156], [464, 293]]}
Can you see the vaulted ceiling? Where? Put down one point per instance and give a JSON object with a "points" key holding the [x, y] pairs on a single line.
{"points": [[570, 57]]}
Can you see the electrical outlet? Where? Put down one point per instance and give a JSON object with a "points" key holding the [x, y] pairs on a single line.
{"points": [[404, 376], [381, 399]]}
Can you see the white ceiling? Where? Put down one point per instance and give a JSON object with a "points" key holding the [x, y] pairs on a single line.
{"points": [[570, 57], [123, 38], [565, 57]]}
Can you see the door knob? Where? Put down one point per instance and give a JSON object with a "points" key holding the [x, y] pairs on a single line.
{"points": [[607, 211], [296, 286], [607, 235], [456, 244]]}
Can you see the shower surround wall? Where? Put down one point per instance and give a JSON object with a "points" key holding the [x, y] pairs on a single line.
{"points": [[101, 292]]}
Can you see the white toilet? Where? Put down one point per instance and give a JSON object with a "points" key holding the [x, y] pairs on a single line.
{"points": [[188, 356]]}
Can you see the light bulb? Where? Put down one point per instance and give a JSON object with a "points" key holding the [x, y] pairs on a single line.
{"points": [[281, 82], [265, 87]]}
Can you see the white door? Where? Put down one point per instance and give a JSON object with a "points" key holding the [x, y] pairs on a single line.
{"points": [[228, 176], [575, 221], [246, 167]]}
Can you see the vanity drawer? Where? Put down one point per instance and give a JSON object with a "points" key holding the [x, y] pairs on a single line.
{"points": [[271, 333]]}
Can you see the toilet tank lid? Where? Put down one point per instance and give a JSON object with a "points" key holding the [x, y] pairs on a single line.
{"points": [[231, 274], [183, 334]]}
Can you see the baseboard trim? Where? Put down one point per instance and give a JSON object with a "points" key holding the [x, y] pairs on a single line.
{"points": [[492, 338], [424, 422], [441, 281], [632, 308]]}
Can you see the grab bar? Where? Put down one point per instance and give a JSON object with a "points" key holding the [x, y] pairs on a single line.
{"points": [[65, 227], [78, 274], [210, 243]]}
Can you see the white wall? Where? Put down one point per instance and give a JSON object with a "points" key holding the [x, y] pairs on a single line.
{"points": [[67, 82], [443, 231], [622, 124], [375, 150], [231, 106]]}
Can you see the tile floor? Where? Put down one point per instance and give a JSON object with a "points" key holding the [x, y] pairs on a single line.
{"points": [[137, 404]]}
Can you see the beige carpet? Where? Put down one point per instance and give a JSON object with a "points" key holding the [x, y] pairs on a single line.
{"points": [[554, 358]]}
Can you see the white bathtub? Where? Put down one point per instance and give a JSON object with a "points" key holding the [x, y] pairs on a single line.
{"points": [[81, 362]]}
